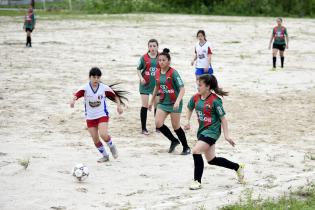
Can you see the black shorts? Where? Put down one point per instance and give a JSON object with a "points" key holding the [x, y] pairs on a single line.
{"points": [[280, 47], [28, 29], [206, 139]]}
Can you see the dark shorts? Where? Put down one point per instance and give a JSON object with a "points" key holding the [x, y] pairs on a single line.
{"points": [[280, 47], [28, 29], [206, 139]]}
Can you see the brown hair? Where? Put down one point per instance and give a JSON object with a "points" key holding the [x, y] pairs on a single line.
{"points": [[212, 82]]}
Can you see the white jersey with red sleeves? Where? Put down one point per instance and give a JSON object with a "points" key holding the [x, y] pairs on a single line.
{"points": [[202, 52], [95, 100]]}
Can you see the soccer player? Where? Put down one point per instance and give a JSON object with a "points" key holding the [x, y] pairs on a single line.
{"points": [[95, 95], [171, 88], [202, 55], [280, 39], [29, 26], [147, 66], [211, 117]]}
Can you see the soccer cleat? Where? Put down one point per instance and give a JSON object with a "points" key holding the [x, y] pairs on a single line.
{"points": [[114, 151], [173, 146], [240, 173], [195, 185], [103, 159], [186, 151], [145, 132]]}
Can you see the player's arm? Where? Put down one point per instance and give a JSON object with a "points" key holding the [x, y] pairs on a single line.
{"points": [[194, 58], [179, 97], [188, 117], [155, 91], [271, 39], [287, 38], [226, 131], [76, 96]]}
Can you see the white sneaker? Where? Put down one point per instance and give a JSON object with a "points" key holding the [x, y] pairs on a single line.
{"points": [[240, 173], [114, 151], [195, 185], [103, 159]]}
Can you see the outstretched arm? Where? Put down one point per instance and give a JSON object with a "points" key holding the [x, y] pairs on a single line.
{"points": [[226, 131]]}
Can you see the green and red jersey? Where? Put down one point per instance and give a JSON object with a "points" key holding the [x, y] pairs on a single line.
{"points": [[169, 85], [147, 66], [209, 112], [279, 34], [29, 21]]}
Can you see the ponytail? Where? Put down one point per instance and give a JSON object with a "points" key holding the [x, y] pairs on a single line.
{"points": [[121, 94], [211, 81]]}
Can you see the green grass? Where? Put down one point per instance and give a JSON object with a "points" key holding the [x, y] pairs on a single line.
{"points": [[25, 163], [302, 199], [292, 8]]}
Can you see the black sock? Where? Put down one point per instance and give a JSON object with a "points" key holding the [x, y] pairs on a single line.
{"points": [[154, 112], [30, 41], [198, 167], [282, 61], [220, 161], [274, 60], [167, 133], [182, 137], [27, 40], [143, 117]]}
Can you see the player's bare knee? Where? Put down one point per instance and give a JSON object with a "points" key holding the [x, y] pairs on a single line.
{"points": [[105, 137]]}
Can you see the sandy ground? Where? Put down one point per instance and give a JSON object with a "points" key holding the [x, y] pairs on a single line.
{"points": [[271, 113]]}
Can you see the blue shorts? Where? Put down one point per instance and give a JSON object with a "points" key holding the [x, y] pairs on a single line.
{"points": [[200, 71]]}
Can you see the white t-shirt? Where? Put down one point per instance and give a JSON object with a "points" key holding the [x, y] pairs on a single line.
{"points": [[202, 55], [95, 101]]}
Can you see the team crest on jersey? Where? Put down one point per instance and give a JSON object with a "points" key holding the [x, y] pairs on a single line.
{"points": [[99, 97], [94, 104], [208, 107]]}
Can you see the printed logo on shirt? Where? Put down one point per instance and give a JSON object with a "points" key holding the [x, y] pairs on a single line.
{"points": [[179, 80], [94, 104], [152, 71], [220, 111], [201, 56], [166, 90], [202, 118]]}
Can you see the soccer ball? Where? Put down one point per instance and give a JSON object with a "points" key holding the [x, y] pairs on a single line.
{"points": [[80, 171]]}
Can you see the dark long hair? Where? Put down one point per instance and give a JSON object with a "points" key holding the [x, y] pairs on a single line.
{"points": [[203, 33], [212, 82], [121, 94]]}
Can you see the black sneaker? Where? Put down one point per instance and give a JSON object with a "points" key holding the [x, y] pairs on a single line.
{"points": [[173, 146], [186, 151]]}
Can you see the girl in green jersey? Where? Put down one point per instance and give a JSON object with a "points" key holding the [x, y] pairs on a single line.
{"points": [[211, 117], [171, 89]]}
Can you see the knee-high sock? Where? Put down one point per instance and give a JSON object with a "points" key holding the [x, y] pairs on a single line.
{"points": [[220, 161], [282, 61], [143, 117], [274, 61], [166, 132], [182, 137], [101, 148], [198, 161]]}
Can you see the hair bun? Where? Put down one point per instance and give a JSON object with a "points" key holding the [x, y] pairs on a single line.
{"points": [[166, 50]]}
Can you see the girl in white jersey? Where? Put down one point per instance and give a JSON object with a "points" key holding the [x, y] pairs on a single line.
{"points": [[202, 55], [95, 94]]}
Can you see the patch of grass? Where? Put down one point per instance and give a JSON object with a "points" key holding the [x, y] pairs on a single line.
{"points": [[303, 198], [310, 156], [24, 162]]}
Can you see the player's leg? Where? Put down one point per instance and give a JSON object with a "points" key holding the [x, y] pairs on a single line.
{"points": [[274, 57], [98, 144], [157, 99], [159, 123], [200, 148], [223, 162], [144, 113], [175, 119], [103, 132]]}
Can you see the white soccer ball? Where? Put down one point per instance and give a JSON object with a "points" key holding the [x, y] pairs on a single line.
{"points": [[80, 171]]}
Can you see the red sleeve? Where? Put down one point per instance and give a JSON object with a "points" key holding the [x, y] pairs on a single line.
{"points": [[209, 51], [79, 94], [110, 94]]}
